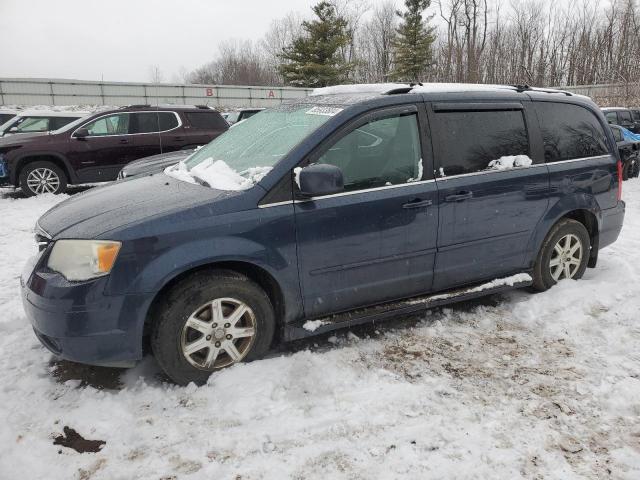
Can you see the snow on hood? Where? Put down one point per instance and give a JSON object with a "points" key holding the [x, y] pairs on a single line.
{"points": [[218, 175], [511, 161]]}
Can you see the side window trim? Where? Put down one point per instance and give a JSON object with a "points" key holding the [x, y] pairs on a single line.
{"points": [[476, 106]]}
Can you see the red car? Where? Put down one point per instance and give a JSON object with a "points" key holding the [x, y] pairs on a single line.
{"points": [[95, 148]]}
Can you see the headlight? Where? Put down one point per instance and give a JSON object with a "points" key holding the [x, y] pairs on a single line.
{"points": [[79, 260]]}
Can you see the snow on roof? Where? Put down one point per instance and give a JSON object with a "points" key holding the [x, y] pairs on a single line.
{"points": [[382, 88], [614, 108], [52, 113], [358, 88]]}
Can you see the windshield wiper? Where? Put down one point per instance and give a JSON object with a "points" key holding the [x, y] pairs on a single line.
{"points": [[200, 180]]}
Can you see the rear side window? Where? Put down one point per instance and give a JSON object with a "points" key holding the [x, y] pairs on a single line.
{"points": [[168, 121], [146, 122], [206, 120], [470, 140], [570, 132], [612, 118], [154, 122], [636, 115]]}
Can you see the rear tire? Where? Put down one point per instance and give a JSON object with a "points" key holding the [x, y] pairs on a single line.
{"points": [[41, 177], [209, 321], [564, 254]]}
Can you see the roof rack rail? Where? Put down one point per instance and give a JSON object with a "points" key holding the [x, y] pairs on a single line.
{"points": [[527, 88], [522, 88], [399, 90], [136, 106]]}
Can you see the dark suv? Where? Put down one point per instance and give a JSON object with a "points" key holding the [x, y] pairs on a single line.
{"points": [[95, 148], [623, 117], [329, 211]]}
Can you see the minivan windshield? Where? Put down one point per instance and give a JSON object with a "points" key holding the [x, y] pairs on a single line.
{"points": [[240, 157]]}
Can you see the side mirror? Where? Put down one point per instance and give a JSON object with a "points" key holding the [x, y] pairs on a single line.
{"points": [[13, 129], [316, 180], [81, 133]]}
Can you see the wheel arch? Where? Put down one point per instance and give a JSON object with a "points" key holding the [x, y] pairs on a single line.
{"points": [[52, 157], [258, 274], [588, 213]]}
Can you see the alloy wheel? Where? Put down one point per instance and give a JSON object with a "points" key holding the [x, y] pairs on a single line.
{"points": [[43, 180], [566, 257], [218, 334]]}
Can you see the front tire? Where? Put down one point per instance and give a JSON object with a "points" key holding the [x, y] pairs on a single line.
{"points": [[564, 254], [37, 178], [210, 321]]}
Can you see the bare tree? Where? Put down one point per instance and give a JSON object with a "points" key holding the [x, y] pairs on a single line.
{"points": [[374, 44], [155, 74]]}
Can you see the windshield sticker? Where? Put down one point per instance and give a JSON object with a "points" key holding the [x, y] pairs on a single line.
{"points": [[328, 111]]}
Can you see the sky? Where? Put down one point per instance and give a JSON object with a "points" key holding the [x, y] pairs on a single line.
{"points": [[119, 40]]}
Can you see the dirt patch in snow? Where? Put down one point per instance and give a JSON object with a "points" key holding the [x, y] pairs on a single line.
{"points": [[72, 439], [100, 378]]}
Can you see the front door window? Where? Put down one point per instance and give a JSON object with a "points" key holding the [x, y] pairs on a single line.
{"points": [[382, 152], [117, 124]]}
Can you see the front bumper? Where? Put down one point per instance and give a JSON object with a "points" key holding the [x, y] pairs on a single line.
{"points": [[77, 321]]}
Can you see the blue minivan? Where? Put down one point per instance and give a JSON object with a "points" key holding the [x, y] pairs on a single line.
{"points": [[355, 204]]}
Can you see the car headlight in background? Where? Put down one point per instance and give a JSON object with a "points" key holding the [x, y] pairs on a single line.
{"points": [[79, 260]]}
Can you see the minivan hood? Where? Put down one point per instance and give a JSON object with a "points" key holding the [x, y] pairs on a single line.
{"points": [[99, 210], [155, 163]]}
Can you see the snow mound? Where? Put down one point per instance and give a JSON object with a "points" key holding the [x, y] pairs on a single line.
{"points": [[313, 325], [217, 174], [509, 162]]}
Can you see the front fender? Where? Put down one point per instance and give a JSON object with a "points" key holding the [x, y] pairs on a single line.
{"points": [[264, 238]]}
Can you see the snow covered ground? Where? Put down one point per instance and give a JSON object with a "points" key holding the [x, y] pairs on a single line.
{"points": [[513, 386]]}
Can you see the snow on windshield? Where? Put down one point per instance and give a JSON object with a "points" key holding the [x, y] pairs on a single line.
{"points": [[217, 174], [244, 154]]}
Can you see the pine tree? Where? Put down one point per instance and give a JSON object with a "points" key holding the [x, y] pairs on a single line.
{"points": [[412, 45], [314, 59]]}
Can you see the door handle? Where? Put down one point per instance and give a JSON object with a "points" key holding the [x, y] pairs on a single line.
{"points": [[417, 203], [178, 139], [124, 140], [459, 197]]}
